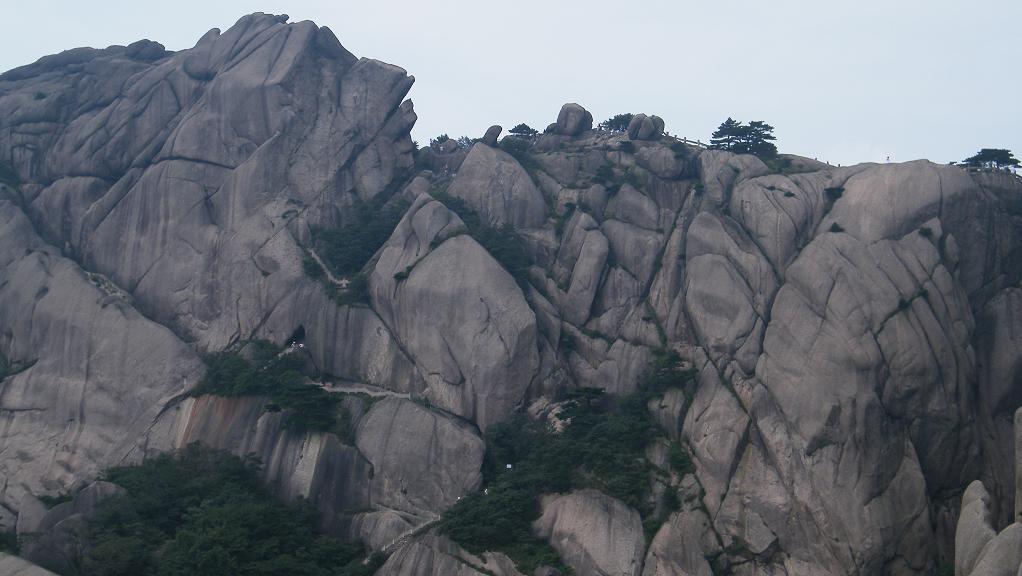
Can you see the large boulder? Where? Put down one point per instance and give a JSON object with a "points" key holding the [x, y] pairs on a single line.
{"points": [[729, 289], [496, 186], [1002, 556], [435, 555], [85, 359], [896, 328], [14, 566], [892, 200], [594, 533], [664, 162], [491, 135], [644, 127], [459, 315], [716, 431], [573, 120], [422, 461], [681, 546], [53, 539], [780, 213], [633, 207], [580, 265], [974, 529]]}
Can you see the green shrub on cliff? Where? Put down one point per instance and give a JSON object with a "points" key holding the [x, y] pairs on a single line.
{"points": [[602, 446], [616, 123], [346, 249], [278, 376]]}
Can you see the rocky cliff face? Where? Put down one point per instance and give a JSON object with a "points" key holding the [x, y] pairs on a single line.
{"points": [[856, 330]]}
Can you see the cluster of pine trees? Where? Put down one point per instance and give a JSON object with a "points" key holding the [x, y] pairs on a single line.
{"points": [[753, 138]]}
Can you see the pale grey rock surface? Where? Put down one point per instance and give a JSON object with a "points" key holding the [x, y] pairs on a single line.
{"points": [[244, 176], [90, 359], [435, 555], [491, 135], [681, 546], [594, 533], [974, 529], [422, 461], [999, 348], [1002, 556], [462, 318], [52, 541], [580, 264], [730, 288], [720, 172], [856, 330], [317, 467], [664, 162], [716, 428], [573, 119], [377, 530], [643, 127], [15, 566], [496, 186]]}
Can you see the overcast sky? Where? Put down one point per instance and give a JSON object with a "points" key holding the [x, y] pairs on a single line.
{"points": [[846, 82]]}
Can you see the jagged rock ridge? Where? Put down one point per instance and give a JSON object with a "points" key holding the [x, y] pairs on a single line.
{"points": [[855, 329]]}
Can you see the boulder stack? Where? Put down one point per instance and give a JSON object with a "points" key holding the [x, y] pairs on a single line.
{"points": [[644, 127]]}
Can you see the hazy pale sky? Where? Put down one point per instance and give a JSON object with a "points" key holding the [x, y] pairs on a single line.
{"points": [[845, 81]]}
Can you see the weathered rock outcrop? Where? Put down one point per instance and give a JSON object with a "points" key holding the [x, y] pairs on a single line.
{"points": [[462, 318], [644, 127], [317, 467], [14, 566], [423, 462], [855, 330], [572, 120], [594, 533], [685, 544], [184, 186], [189, 181], [435, 555], [96, 374], [979, 549], [499, 189], [491, 135], [51, 537], [974, 529]]}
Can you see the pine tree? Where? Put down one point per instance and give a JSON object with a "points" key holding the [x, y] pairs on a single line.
{"points": [[524, 129], [618, 123], [757, 139], [726, 135], [754, 138], [992, 158]]}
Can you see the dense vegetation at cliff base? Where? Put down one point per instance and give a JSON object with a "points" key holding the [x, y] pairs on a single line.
{"points": [[207, 513], [602, 446]]}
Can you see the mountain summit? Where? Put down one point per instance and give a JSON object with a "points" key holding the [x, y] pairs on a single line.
{"points": [[850, 335]]}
